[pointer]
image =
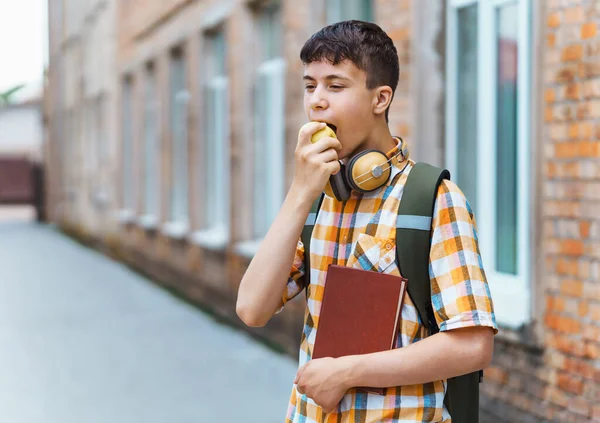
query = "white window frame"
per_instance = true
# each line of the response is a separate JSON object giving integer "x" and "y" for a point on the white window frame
{"x": 127, "y": 212}
{"x": 511, "y": 293}
{"x": 151, "y": 152}
{"x": 215, "y": 230}
{"x": 178, "y": 225}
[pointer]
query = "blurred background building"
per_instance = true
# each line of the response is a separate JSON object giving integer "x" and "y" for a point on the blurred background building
{"x": 170, "y": 129}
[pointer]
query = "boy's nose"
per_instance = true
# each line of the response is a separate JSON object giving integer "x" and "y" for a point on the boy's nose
{"x": 318, "y": 103}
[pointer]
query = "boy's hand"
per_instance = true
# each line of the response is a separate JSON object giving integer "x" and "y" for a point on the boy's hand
{"x": 323, "y": 381}
{"x": 315, "y": 163}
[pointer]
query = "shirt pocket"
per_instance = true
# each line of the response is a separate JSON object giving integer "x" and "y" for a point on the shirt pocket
{"x": 374, "y": 254}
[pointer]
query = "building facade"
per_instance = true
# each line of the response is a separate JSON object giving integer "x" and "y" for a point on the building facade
{"x": 79, "y": 111}
{"x": 173, "y": 126}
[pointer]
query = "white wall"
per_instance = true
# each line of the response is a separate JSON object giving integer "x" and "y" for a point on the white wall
{"x": 21, "y": 131}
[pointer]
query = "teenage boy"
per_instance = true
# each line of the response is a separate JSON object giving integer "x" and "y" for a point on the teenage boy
{"x": 351, "y": 73}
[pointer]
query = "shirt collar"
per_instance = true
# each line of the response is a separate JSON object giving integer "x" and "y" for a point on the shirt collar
{"x": 399, "y": 154}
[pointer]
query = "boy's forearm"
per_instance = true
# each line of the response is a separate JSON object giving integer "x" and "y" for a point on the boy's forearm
{"x": 438, "y": 357}
{"x": 263, "y": 284}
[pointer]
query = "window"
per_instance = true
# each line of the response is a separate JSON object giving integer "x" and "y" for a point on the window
{"x": 97, "y": 148}
{"x": 488, "y": 146}
{"x": 269, "y": 120}
{"x": 215, "y": 154}
{"x": 151, "y": 150}
{"x": 342, "y": 10}
{"x": 127, "y": 140}
{"x": 178, "y": 215}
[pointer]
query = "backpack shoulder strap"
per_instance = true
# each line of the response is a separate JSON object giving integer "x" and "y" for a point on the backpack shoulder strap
{"x": 413, "y": 242}
{"x": 307, "y": 235}
{"x": 413, "y": 235}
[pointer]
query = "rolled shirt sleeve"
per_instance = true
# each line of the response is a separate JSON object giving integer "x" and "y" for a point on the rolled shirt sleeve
{"x": 295, "y": 283}
{"x": 459, "y": 289}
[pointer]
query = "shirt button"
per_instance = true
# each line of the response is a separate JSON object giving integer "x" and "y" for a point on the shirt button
{"x": 388, "y": 246}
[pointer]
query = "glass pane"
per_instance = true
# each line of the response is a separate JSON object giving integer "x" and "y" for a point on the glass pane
{"x": 221, "y": 130}
{"x": 272, "y": 32}
{"x": 151, "y": 167}
{"x": 212, "y": 164}
{"x": 215, "y": 63}
{"x": 261, "y": 168}
{"x": 334, "y": 11}
{"x": 506, "y": 139}
{"x": 127, "y": 144}
{"x": 179, "y": 140}
{"x": 357, "y": 9}
{"x": 466, "y": 104}
{"x": 349, "y": 9}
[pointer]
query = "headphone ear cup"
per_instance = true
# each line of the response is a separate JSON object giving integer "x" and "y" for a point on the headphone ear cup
{"x": 339, "y": 185}
{"x": 362, "y": 166}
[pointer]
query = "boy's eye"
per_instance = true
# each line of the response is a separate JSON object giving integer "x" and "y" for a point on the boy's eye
{"x": 337, "y": 87}
{"x": 309, "y": 87}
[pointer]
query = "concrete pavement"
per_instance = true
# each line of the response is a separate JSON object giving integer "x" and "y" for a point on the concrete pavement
{"x": 84, "y": 339}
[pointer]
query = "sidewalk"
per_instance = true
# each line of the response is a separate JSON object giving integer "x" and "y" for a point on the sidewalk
{"x": 86, "y": 340}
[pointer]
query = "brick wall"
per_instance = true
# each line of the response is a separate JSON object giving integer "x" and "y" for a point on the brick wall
{"x": 558, "y": 378}
{"x": 572, "y": 209}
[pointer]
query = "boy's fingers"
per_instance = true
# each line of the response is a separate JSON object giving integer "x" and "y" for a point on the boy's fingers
{"x": 299, "y": 373}
{"x": 327, "y": 143}
{"x": 308, "y": 130}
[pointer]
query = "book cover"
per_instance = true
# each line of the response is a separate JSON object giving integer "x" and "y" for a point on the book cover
{"x": 360, "y": 313}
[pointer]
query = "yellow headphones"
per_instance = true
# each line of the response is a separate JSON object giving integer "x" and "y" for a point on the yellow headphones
{"x": 365, "y": 172}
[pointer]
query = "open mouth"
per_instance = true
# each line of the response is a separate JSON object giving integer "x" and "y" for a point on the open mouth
{"x": 332, "y": 127}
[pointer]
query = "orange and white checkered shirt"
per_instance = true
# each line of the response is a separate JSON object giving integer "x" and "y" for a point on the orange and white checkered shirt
{"x": 361, "y": 233}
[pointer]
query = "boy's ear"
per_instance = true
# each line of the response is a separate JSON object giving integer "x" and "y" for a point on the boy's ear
{"x": 382, "y": 99}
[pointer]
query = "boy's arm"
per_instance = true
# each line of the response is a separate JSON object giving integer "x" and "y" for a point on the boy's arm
{"x": 261, "y": 289}
{"x": 438, "y": 357}
{"x": 262, "y": 286}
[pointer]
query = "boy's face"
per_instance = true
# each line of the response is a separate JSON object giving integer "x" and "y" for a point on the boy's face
{"x": 338, "y": 95}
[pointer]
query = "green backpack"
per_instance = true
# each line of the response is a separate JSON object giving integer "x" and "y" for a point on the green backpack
{"x": 413, "y": 242}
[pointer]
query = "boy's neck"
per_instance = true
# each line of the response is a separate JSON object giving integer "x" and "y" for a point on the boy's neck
{"x": 379, "y": 139}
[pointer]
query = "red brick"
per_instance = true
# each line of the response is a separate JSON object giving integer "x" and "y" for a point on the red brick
{"x": 565, "y": 150}
{"x": 572, "y": 247}
{"x": 586, "y": 130}
{"x": 567, "y": 345}
{"x": 496, "y": 374}
{"x": 568, "y": 383}
{"x": 589, "y": 30}
{"x": 567, "y": 73}
{"x": 573, "y": 131}
{"x": 580, "y": 368}
{"x": 572, "y": 288}
{"x": 572, "y": 91}
{"x": 550, "y": 95}
{"x": 554, "y": 20}
{"x": 551, "y": 40}
{"x": 572, "y": 53}
{"x": 583, "y": 309}
{"x": 563, "y": 324}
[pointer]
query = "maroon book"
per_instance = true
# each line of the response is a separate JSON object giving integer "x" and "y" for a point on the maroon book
{"x": 360, "y": 313}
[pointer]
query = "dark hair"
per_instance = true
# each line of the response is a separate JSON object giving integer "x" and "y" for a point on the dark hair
{"x": 364, "y": 44}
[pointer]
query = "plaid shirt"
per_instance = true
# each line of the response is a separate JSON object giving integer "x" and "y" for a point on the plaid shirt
{"x": 362, "y": 233}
